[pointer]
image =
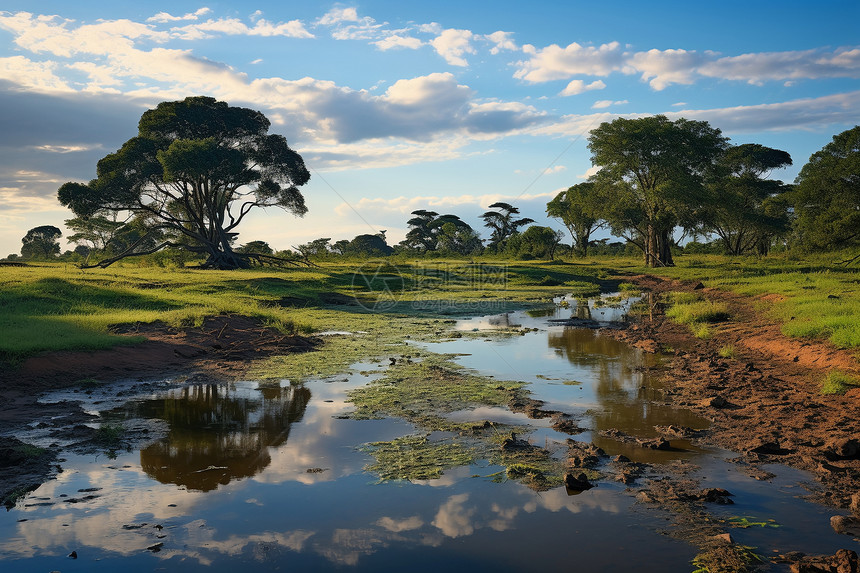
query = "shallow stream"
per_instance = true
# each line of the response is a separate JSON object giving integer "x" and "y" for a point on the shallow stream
{"x": 272, "y": 478}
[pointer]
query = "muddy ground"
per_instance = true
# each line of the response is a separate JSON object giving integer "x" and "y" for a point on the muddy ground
{"x": 222, "y": 348}
{"x": 764, "y": 403}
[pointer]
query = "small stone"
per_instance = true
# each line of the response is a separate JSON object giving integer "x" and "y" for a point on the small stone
{"x": 843, "y": 448}
{"x": 73, "y": 554}
{"x": 715, "y": 402}
{"x": 845, "y": 525}
{"x": 716, "y": 495}
{"x": 724, "y": 538}
{"x": 577, "y": 482}
{"x": 855, "y": 504}
{"x": 846, "y": 561}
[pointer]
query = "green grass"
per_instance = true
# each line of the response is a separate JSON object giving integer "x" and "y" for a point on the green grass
{"x": 812, "y": 296}
{"x": 700, "y": 311}
{"x": 59, "y": 307}
{"x": 728, "y": 351}
{"x": 696, "y": 312}
{"x": 838, "y": 382}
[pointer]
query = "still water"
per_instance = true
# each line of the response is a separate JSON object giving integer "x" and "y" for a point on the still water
{"x": 271, "y": 478}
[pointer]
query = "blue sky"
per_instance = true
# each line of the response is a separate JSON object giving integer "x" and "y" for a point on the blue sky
{"x": 398, "y": 106}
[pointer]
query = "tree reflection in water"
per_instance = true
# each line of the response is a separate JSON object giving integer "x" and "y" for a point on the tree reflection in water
{"x": 218, "y": 432}
{"x": 630, "y": 399}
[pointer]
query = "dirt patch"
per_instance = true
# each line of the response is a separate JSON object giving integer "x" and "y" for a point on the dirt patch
{"x": 765, "y": 401}
{"x": 22, "y": 469}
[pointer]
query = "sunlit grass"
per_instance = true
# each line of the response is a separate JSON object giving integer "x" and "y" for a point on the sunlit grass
{"x": 811, "y": 296}
{"x": 728, "y": 351}
{"x": 60, "y": 307}
{"x": 838, "y": 382}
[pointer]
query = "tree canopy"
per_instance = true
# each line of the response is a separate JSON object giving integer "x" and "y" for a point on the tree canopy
{"x": 745, "y": 209}
{"x": 579, "y": 208}
{"x": 503, "y": 224}
{"x": 425, "y": 229}
{"x": 41, "y": 242}
{"x": 536, "y": 242}
{"x": 195, "y": 170}
{"x": 827, "y": 195}
{"x": 651, "y": 177}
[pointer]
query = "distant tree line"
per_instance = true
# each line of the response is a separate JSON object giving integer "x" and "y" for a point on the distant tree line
{"x": 179, "y": 190}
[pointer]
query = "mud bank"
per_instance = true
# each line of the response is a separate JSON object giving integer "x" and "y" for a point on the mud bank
{"x": 764, "y": 402}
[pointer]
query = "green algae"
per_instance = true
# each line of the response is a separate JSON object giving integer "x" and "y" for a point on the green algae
{"x": 423, "y": 392}
{"x": 415, "y": 458}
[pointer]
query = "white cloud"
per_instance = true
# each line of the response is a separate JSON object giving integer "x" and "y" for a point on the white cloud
{"x": 235, "y": 27}
{"x": 338, "y": 15}
{"x": 38, "y": 76}
{"x": 590, "y": 172}
{"x": 807, "y": 113}
{"x": 556, "y": 63}
{"x": 576, "y": 87}
{"x": 454, "y": 519}
{"x": 347, "y": 25}
{"x": 164, "y": 17}
{"x": 395, "y": 41}
{"x": 501, "y": 41}
{"x": 453, "y": 44}
{"x": 51, "y": 34}
{"x": 398, "y": 525}
{"x": 432, "y": 28}
{"x": 663, "y": 68}
{"x": 604, "y": 103}
{"x": 793, "y": 65}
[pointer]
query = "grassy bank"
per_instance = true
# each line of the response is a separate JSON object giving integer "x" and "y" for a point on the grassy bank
{"x": 814, "y": 297}
{"x": 59, "y": 307}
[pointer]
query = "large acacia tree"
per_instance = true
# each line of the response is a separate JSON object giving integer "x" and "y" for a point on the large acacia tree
{"x": 503, "y": 224}
{"x": 652, "y": 177}
{"x": 195, "y": 170}
{"x": 579, "y": 208}
{"x": 827, "y": 195}
{"x": 41, "y": 242}
{"x": 746, "y": 209}
{"x": 425, "y": 229}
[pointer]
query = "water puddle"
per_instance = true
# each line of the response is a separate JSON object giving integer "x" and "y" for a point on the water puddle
{"x": 272, "y": 477}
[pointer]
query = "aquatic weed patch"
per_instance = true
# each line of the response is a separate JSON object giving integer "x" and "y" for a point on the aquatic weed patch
{"x": 423, "y": 392}
{"x": 415, "y": 458}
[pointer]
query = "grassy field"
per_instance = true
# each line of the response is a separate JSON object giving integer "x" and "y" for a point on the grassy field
{"x": 56, "y": 307}
{"x": 814, "y": 297}
{"x": 60, "y": 307}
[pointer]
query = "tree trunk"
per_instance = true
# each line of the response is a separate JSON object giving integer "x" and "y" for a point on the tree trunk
{"x": 651, "y": 246}
{"x": 664, "y": 248}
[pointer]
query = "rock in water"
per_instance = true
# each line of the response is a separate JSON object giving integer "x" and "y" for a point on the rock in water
{"x": 577, "y": 482}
